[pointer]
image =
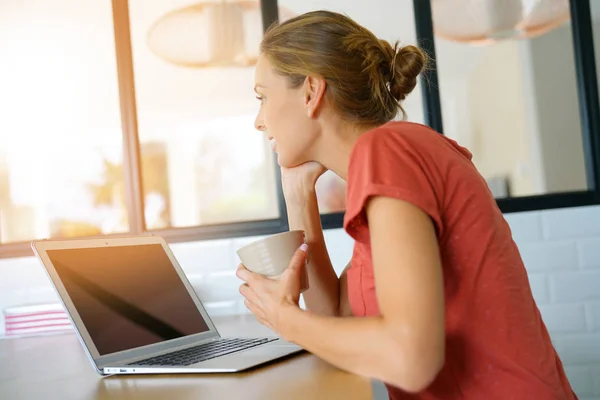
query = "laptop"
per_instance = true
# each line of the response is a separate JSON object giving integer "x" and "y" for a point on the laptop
{"x": 135, "y": 312}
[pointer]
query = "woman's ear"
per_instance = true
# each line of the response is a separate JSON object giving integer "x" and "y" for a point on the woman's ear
{"x": 314, "y": 92}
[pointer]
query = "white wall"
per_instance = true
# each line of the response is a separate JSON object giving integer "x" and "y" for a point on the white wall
{"x": 561, "y": 249}
{"x": 514, "y": 105}
{"x": 499, "y": 128}
{"x": 552, "y": 89}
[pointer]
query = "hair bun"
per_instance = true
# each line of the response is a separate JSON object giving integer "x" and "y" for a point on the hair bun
{"x": 406, "y": 65}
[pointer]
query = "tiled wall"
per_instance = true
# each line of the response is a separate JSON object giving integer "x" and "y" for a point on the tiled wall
{"x": 561, "y": 249}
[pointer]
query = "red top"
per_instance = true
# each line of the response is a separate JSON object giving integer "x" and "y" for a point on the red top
{"x": 497, "y": 346}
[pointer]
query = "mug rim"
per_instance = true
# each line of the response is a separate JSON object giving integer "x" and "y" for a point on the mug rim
{"x": 270, "y": 237}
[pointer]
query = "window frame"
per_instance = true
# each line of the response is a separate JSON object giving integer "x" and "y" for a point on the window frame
{"x": 589, "y": 111}
{"x": 132, "y": 155}
{"x": 134, "y": 192}
{"x": 585, "y": 67}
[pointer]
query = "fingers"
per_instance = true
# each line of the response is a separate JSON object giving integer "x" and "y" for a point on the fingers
{"x": 251, "y": 301}
{"x": 244, "y": 274}
{"x": 300, "y": 256}
{"x": 253, "y": 309}
{"x": 257, "y": 312}
{"x": 249, "y": 305}
{"x": 249, "y": 294}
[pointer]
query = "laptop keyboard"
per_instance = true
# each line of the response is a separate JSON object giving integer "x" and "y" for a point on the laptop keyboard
{"x": 203, "y": 352}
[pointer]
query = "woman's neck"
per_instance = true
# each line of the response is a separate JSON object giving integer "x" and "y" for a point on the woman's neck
{"x": 337, "y": 141}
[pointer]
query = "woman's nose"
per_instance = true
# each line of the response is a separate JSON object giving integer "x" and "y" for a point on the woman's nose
{"x": 259, "y": 123}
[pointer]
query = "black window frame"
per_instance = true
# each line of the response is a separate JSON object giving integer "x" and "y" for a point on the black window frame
{"x": 589, "y": 112}
{"x": 585, "y": 67}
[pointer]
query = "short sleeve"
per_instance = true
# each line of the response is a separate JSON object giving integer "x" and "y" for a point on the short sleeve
{"x": 386, "y": 162}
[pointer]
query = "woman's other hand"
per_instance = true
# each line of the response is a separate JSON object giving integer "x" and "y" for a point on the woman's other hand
{"x": 300, "y": 178}
{"x": 268, "y": 298}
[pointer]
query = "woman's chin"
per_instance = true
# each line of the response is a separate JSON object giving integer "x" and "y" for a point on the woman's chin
{"x": 290, "y": 162}
{"x": 284, "y": 162}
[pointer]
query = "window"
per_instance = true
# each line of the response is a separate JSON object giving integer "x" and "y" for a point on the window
{"x": 203, "y": 163}
{"x": 512, "y": 102}
{"x": 60, "y": 133}
{"x": 543, "y": 168}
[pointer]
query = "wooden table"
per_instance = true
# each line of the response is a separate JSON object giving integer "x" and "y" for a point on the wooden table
{"x": 55, "y": 367}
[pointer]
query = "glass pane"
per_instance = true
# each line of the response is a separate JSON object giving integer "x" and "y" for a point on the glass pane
{"x": 595, "y": 10}
{"x": 387, "y": 20}
{"x": 202, "y": 160}
{"x": 509, "y": 94}
{"x": 60, "y": 131}
{"x": 331, "y": 193}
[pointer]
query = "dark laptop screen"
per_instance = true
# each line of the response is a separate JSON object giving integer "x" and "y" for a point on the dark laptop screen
{"x": 127, "y": 296}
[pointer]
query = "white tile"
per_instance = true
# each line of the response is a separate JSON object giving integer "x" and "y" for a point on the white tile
{"x": 221, "y": 308}
{"x": 539, "y": 288}
{"x": 379, "y": 390}
{"x": 202, "y": 257}
{"x": 580, "y": 378}
{"x": 526, "y": 227}
{"x": 571, "y": 222}
{"x": 564, "y": 317}
{"x": 595, "y": 375}
{"x": 10, "y": 298}
{"x": 549, "y": 256}
{"x": 18, "y": 262}
{"x": 593, "y": 317}
{"x": 578, "y": 349}
{"x": 339, "y": 246}
{"x": 42, "y": 295}
{"x": 575, "y": 286}
{"x": 301, "y": 302}
{"x": 22, "y": 273}
{"x": 217, "y": 287}
{"x": 589, "y": 251}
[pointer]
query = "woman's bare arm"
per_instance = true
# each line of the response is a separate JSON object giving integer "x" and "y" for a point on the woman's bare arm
{"x": 327, "y": 295}
{"x": 405, "y": 344}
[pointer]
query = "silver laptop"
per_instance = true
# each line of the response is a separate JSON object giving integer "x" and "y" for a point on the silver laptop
{"x": 135, "y": 312}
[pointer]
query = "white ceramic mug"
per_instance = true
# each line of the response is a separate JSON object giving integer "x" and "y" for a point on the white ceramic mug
{"x": 271, "y": 256}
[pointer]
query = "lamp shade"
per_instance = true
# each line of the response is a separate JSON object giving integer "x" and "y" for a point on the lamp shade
{"x": 487, "y": 21}
{"x": 210, "y": 34}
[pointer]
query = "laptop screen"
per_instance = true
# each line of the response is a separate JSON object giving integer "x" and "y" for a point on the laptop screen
{"x": 127, "y": 296}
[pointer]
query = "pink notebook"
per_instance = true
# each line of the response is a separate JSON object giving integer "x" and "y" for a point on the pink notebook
{"x": 36, "y": 320}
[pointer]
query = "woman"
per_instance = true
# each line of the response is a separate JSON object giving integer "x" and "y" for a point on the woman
{"x": 443, "y": 295}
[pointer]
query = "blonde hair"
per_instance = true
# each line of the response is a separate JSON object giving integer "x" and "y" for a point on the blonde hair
{"x": 367, "y": 78}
